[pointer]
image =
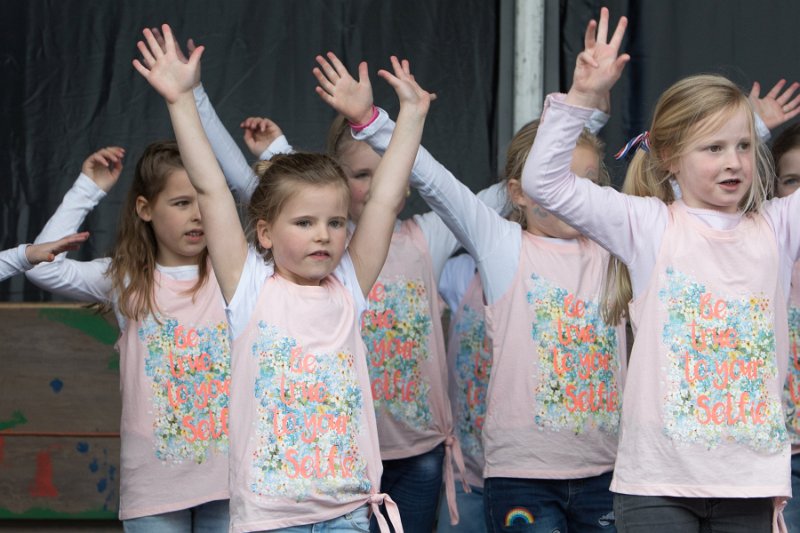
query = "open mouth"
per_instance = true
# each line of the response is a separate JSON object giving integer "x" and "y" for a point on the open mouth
{"x": 195, "y": 235}
{"x": 731, "y": 183}
{"x": 320, "y": 255}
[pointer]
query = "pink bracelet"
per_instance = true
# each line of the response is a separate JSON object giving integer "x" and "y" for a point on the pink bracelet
{"x": 359, "y": 127}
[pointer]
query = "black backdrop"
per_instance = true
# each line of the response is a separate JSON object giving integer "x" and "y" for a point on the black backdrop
{"x": 68, "y": 88}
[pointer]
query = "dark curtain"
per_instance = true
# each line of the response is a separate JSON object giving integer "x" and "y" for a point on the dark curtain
{"x": 68, "y": 87}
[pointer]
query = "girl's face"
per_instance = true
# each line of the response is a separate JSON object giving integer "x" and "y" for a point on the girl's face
{"x": 175, "y": 218}
{"x": 788, "y": 173}
{"x": 359, "y": 162}
{"x": 585, "y": 163}
{"x": 308, "y": 237}
{"x": 716, "y": 171}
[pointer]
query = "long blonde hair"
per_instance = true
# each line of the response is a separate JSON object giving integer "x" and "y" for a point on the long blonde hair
{"x": 279, "y": 180}
{"x": 692, "y": 107}
{"x": 520, "y": 147}
{"x": 133, "y": 258}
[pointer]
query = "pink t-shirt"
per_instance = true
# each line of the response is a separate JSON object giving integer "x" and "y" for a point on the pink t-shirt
{"x": 556, "y": 381}
{"x": 469, "y": 356}
{"x": 304, "y": 441}
{"x": 791, "y": 391}
{"x": 174, "y": 375}
{"x": 702, "y": 413}
{"x": 403, "y": 333}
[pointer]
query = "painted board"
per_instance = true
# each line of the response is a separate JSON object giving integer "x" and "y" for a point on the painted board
{"x": 59, "y": 412}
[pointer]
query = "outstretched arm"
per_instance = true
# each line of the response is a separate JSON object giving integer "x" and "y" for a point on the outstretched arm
{"x": 26, "y": 256}
{"x": 174, "y": 80}
{"x": 238, "y": 173}
{"x": 370, "y": 242}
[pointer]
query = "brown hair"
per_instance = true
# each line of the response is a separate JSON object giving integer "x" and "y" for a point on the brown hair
{"x": 278, "y": 181}
{"x": 786, "y": 141}
{"x": 520, "y": 147}
{"x": 338, "y": 137}
{"x": 133, "y": 258}
{"x": 691, "y": 107}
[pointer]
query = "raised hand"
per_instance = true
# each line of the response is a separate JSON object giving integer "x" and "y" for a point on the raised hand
{"x": 600, "y": 64}
{"x": 338, "y": 89}
{"x": 163, "y": 69}
{"x": 47, "y": 251}
{"x": 259, "y": 133}
{"x": 190, "y": 46}
{"x": 405, "y": 85}
{"x": 104, "y": 166}
{"x": 776, "y": 107}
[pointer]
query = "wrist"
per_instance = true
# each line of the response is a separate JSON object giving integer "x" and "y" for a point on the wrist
{"x": 588, "y": 100}
{"x": 365, "y": 120}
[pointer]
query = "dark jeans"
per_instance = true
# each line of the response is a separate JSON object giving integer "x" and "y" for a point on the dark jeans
{"x": 663, "y": 514}
{"x": 549, "y": 505}
{"x": 414, "y": 483}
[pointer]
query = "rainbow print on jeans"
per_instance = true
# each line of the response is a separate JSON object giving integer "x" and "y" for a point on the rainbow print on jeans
{"x": 308, "y": 421}
{"x": 720, "y": 357}
{"x": 577, "y": 361}
{"x": 190, "y": 373}
{"x": 518, "y": 516}
{"x": 395, "y": 330}
{"x": 473, "y": 366}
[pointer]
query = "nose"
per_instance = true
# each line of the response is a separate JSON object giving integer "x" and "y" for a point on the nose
{"x": 734, "y": 160}
{"x": 322, "y": 234}
{"x": 196, "y": 217}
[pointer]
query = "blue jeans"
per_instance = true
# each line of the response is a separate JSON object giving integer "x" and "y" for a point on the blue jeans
{"x": 470, "y": 512}
{"x": 210, "y": 517}
{"x": 792, "y": 512}
{"x": 356, "y": 520}
{"x": 665, "y": 514}
{"x": 549, "y": 505}
{"x": 414, "y": 484}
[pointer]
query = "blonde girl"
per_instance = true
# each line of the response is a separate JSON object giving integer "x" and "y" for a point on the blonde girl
{"x": 703, "y": 442}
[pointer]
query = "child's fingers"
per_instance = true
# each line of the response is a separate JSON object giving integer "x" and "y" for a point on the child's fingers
{"x": 190, "y": 45}
{"x": 602, "y": 26}
{"x": 341, "y": 70}
{"x": 793, "y": 104}
{"x": 755, "y": 91}
{"x": 169, "y": 39}
{"x": 589, "y": 41}
{"x": 327, "y": 98}
{"x": 773, "y": 93}
{"x": 327, "y": 69}
{"x": 363, "y": 72}
{"x": 154, "y": 49}
{"x": 144, "y": 71}
{"x": 149, "y": 60}
{"x": 586, "y": 58}
{"x": 619, "y": 33}
{"x": 324, "y": 82}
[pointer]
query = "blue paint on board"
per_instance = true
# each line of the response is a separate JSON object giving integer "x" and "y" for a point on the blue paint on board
{"x": 101, "y": 485}
{"x": 93, "y": 466}
{"x": 82, "y": 447}
{"x": 56, "y": 385}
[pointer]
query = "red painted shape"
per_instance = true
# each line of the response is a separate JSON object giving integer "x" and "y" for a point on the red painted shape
{"x": 42, "y": 486}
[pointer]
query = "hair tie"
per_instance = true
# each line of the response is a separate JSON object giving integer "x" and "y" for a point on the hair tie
{"x": 640, "y": 141}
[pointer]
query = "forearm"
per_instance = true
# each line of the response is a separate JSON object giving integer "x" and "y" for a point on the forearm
{"x": 78, "y": 202}
{"x": 13, "y": 261}
{"x": 238, "y": 173}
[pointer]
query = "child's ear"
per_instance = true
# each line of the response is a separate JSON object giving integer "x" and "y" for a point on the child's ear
{"x": 516, "y": 194}
{"x": 143, "y": 209}
{"x": 263, "y": 235}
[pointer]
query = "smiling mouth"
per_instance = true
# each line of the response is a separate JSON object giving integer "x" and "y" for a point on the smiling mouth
{"x": 732, "y": 181}
{"x": 195, "y": 234}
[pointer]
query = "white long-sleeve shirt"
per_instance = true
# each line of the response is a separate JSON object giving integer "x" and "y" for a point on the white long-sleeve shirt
{"x": 13, "y": 261}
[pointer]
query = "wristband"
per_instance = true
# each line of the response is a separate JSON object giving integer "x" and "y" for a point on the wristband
{"x": 359, "y": 127}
